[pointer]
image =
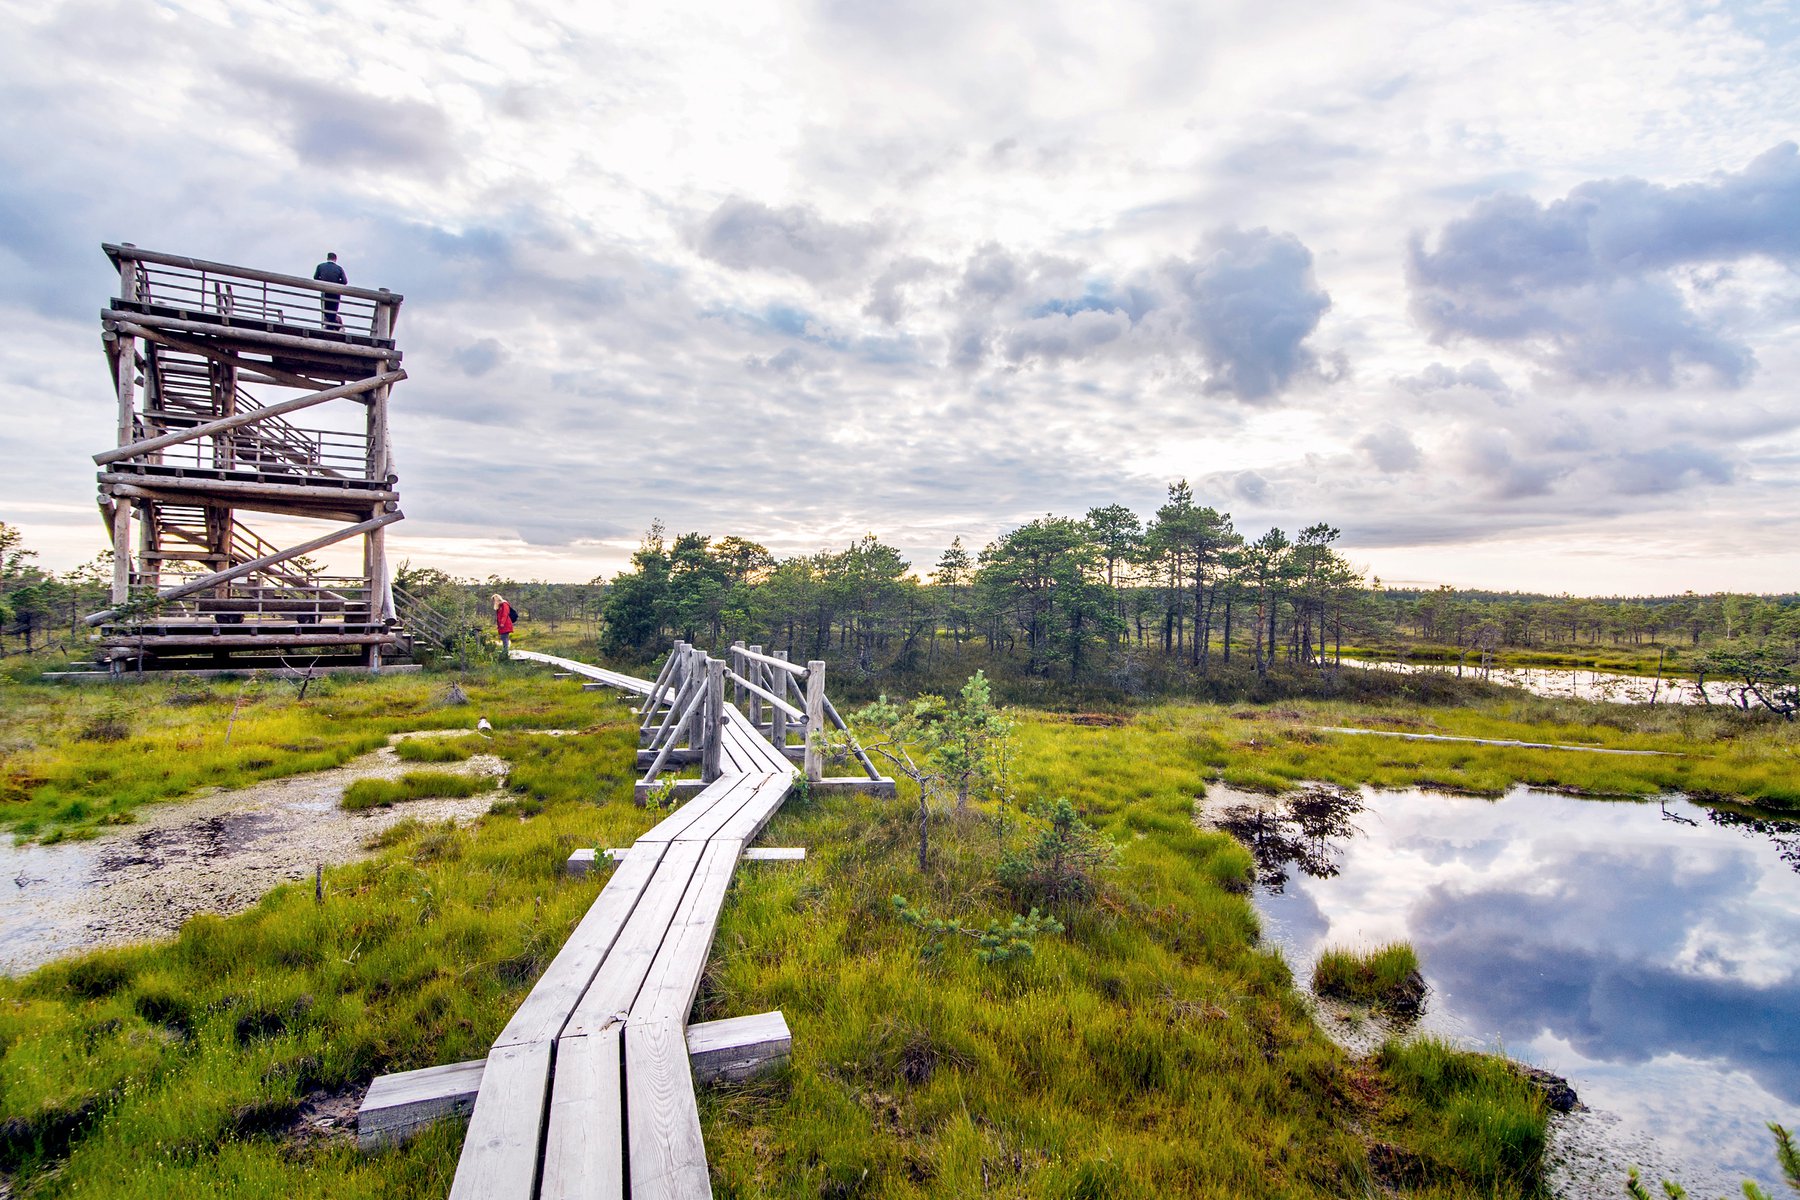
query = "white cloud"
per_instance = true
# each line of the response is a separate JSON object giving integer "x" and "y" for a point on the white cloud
{"x": 968, "y": 264}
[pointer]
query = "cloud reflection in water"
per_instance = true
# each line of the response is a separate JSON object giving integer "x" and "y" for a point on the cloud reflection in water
{"x": 1653, "y": 961}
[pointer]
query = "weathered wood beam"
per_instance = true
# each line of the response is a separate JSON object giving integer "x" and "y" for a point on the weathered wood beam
{"x": 272, "y": 373}
{"x": 782, "y": 663}
{"x": 245, "y": 641}
{"x": 250, "y": 417}
{"x": 322, "y": 347}
{"x": 771, "y": 697}
{"x": 242, "y": 487}
{"x": 815, "y": 720}
{"x": 325, "y": 511}
{"x": 256, "y": 564}
{"x": 400, "y": 1105}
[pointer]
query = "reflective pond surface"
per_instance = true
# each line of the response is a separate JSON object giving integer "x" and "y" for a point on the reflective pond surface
{"x": 1572, "y": 683}
{"x": 1648, "y": 952}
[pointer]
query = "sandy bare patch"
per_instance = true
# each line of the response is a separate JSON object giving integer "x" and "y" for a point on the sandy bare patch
{"x": 217, "y": 853}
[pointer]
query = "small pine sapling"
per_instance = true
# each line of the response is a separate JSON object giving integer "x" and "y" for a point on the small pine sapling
{"x": 997, "y": 942}
{"x": 1065, "y": 864}
{"x": 962, "y": 745}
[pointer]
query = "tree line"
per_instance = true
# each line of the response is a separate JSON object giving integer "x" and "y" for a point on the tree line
{"x": 1059, "y": 595}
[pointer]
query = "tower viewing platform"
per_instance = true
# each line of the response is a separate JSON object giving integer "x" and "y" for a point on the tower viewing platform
{"x": 210, "y": 362}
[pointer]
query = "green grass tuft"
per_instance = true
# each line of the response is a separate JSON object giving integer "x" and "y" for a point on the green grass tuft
{"x": 441, "y": 749}
{"x": 414, "y": 785}
{"x": 1488, "y": 1121}
{"x": 1387, "y": 978}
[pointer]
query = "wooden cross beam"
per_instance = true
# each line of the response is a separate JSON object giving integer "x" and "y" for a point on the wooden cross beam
{"x": 249, "y": 417}
{"x": 256, "y": 564}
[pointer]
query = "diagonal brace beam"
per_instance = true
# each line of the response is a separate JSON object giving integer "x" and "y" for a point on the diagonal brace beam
{"x": 257, "y": 564}
{"x": 249, "y": 417}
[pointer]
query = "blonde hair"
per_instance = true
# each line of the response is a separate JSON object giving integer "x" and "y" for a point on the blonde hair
{"x": 499, "y": 599}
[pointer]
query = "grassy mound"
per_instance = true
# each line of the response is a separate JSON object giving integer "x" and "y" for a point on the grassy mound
{"x": 1386, "y": 978}
{"x": 414, "y": 785}
{"x": 441, "y": 749}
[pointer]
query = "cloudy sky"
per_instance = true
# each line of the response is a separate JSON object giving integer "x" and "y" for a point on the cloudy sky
{"x": 1505, "y": 291}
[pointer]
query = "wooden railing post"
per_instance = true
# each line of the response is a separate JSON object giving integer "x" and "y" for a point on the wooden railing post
{"x": 777, "y": 718}
{"x": 696, "y": 667}
{"x": 737, "y": 664}
{"x": 815, "y": 720}
{"x": 714, "y": 725}
{"x": 754, "y": 670}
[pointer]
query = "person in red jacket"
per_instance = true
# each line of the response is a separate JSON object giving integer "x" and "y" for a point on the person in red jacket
{"x": 503, "y": 622}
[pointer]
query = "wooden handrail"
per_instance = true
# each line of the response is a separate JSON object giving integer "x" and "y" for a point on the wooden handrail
{"x": 793, "y": 668}
{"x": 132, "y": 253}
{"x": 771, "y": 697}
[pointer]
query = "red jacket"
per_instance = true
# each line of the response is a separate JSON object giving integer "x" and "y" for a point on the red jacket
{"x": 503, "y": 617}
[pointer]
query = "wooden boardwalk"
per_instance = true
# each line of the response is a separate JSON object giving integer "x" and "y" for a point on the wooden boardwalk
{"x": 589, "y": 1091}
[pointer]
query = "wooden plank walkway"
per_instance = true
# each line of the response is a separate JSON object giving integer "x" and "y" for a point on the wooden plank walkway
{"x": 588, "y": 1091}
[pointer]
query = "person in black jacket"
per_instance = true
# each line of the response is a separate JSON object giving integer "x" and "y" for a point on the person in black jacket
{"x": 329, "y": 272}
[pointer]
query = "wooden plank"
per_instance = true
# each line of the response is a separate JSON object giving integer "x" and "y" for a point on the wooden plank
{"x": 674, "y": 979}
{"x": 158, "y": 486}
{"x": 677, "y": 822}
{"x": 708, "y": 824}
{"x": 616, "y": 986}
{"x": 397, "y": 1106}
{"x": 400, "y": 1105}
{"x": 781, "y": 663}
{"x": 752, "y": 854}
{"x": 321, "y": 347}
{"x": 761, "y": 756}
{"x": 668, "y": 1156}
{"x": 628, "y": 683}
{"x": 500, "y": 1152}
{"x": 737, "y": 1048}
{"x": 753, "y": 816}
{"x": 584, "y": 1148}
{"x": 545, "y": 1010}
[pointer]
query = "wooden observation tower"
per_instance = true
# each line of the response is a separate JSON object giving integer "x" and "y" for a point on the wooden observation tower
{"x": 211, "y": 362}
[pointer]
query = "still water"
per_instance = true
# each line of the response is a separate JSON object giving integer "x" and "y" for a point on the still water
{"x": 1573, "y": 683}
{"x": 1649, "y": 952}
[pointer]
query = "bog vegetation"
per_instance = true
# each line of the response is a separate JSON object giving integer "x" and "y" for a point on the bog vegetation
{"x": 1093, "y": 996}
